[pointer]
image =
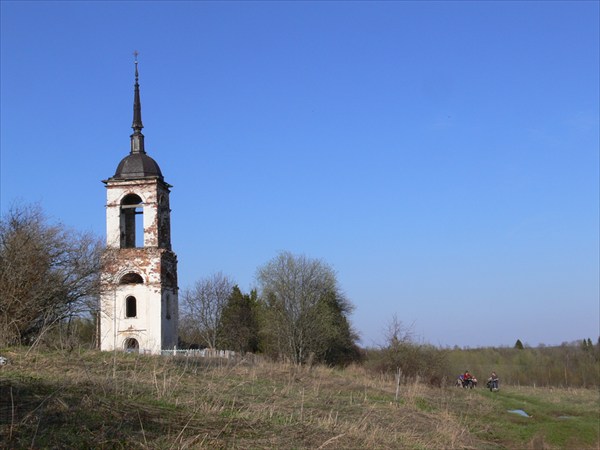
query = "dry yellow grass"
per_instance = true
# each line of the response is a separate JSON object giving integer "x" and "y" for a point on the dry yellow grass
{"x": 92, "y": 399}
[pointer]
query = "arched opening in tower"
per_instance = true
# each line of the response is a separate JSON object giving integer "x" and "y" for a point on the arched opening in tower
{"x": 131, "y": 278}
{"x": 132, "y": 221}
{"x": 132, "y": 345}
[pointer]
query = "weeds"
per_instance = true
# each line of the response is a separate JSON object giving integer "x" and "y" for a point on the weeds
{"x": 83, "y": 400}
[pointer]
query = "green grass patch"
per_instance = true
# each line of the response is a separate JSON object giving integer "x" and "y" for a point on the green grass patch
{"x": 548, "y": 423}
{"x": 423, "y": 405}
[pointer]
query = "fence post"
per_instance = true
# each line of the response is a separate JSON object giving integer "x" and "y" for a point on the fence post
{"x": 398, "y": 376}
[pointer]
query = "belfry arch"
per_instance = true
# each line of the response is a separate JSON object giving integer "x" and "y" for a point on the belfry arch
{"x": 132, "y": 221}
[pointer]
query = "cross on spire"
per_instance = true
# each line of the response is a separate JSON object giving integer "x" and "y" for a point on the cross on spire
{"x": 135, "y": 61}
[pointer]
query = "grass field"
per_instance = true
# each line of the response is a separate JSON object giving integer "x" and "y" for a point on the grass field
{"x": 90, "y": 399}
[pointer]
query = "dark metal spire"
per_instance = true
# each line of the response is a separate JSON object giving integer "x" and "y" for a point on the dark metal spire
{"x": 137, "y": 138}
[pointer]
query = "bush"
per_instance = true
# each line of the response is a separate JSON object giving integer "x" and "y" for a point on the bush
{"x": 423, "y": 361}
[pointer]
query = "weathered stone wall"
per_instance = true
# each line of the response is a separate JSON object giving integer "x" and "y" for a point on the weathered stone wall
{"x": 155, "y": 198}
{"x": 155, "y": 323}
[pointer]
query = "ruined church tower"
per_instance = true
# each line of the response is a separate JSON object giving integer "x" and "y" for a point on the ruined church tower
{"x": 139, "y": 302}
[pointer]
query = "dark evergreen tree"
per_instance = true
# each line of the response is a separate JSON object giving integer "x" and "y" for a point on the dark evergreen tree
{"x": 584, "y": 345}
{"x": 340, "y": 342}
{"x": 519, "y": 344}
{"x": 239, "y": 322}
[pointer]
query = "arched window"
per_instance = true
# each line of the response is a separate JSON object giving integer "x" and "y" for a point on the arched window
{"x": 131, "y": 345}
{"x": 168, "y": 307}
{"x": 130, "y": 307}
{"x": 132, "y": 221}
{"x": 131, "y": 278}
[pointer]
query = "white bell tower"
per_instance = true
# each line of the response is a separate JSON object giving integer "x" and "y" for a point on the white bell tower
{"x": 139, "y": 298}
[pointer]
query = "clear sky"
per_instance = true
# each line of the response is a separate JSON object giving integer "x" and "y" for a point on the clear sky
{"x": 442, "y": 157}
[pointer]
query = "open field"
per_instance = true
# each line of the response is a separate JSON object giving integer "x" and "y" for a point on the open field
{"x": 89, "y": 399}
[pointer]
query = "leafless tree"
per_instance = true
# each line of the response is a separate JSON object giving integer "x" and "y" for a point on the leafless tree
{"x": 202, "y": 307}
{"x": 47, "y": 273}
{"x": 304, "y": 306}
{"x": 400, "y": 351}
{"x": 397, "y": 333}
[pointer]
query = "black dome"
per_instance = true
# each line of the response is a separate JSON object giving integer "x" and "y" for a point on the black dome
{"x": 137, "y": 165}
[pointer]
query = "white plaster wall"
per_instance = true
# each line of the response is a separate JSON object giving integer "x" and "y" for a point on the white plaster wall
{"x": 106, "y": 321}
{"x": 150, "y": 223}
{"x": 143, "y": 327}
{"x": 150, "y": 327}
{"x": 113, "y": 224}
{"x": 169, "y": 326}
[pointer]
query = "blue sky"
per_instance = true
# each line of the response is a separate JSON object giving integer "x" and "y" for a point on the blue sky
{"x": 442, "y": 157}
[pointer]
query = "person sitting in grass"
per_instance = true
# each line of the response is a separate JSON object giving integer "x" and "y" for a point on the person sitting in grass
{"x": 468, "y": 380}
{"x": 493, "y": 382}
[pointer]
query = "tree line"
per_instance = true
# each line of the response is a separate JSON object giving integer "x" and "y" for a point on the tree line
{"x": 298, "y": 312}
{"x": 49, "y": 286}
{"x": 569, "y": 364}
{"x": 49, "y": 283}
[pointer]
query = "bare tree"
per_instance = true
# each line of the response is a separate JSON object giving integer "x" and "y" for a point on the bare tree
{"x": 47, "y": 273}
{"x": 396, "y": 333}
{"x": 305, "y": 309}
{"x": 400, "y": 351}
{"x": 202, "y": 308}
